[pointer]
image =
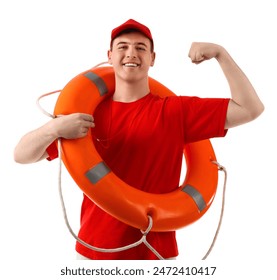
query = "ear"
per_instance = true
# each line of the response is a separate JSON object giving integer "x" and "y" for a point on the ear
{"x": 110, "y": 57}
{"x": 153, "y": 58}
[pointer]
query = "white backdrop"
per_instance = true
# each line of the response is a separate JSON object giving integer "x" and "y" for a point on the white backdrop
{"x": 46, "y": 43}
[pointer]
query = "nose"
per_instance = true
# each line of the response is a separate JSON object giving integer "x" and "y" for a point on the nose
{"x": 131, "y": 56}
{"x": 131, "y": 53}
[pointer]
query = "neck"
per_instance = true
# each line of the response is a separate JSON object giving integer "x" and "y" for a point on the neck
{"x": 129, "y": 92}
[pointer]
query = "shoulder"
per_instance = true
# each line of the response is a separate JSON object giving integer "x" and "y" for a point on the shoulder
{"x": 175, "y": 101}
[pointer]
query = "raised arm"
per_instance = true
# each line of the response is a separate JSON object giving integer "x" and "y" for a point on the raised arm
{"x": 245, "y": 104}
{"x": 32, "y": 146}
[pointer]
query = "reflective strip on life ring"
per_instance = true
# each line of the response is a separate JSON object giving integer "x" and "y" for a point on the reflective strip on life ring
{"x": 169, "y": 211}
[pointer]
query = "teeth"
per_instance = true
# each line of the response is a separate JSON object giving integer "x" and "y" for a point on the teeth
{"x": 130, "y": 64}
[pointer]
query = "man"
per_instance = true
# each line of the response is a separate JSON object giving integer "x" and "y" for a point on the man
{"x": 141, "y": 136}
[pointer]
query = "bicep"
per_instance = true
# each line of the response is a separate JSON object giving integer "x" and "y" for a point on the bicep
{"x": 236, "y": 115}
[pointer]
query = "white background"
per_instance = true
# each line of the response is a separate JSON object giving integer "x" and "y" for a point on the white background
{"x": 46, "y": 43}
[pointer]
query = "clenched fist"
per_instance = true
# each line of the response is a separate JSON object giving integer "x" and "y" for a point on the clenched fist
{"x": 200, "y": 52}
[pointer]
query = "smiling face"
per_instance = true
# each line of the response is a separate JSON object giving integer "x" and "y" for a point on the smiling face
{"x": 131, "y": 56}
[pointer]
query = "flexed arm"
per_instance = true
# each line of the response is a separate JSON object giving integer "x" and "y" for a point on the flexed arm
{"x": 245, "y": 104}
{"x": 32, "y": 146}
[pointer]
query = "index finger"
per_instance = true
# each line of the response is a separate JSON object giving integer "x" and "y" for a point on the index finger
{"x": 87, "y": 117}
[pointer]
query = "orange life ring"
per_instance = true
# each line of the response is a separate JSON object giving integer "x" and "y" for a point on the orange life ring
{"x": 169, "y": 211}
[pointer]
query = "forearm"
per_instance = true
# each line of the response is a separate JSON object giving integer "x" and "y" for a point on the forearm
{"x": 32, "y": 146}
{"x": 245, "y": 104}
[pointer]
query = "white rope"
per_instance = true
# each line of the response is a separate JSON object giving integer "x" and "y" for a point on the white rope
{"x": 144, "y": 233}
{"x": 40, "y": 107}
{"x": 220, "y": 168}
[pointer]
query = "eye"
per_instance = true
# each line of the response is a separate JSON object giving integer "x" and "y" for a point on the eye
{"x": 141, "y": 49}
{"x": 122, "y": 47}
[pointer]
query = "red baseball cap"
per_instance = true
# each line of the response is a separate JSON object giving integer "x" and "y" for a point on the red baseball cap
{"x": 132, "y": 24}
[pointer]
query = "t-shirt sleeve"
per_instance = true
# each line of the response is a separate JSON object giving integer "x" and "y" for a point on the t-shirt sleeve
{"x": 52, "y": 151}
{"x": 203, "y": 118}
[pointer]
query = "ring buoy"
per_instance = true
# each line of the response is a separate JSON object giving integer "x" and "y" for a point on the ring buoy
{"x": 169, "y": 211}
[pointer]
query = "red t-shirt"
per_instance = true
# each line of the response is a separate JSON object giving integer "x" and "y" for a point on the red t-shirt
{"x": 142, "y": 142}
